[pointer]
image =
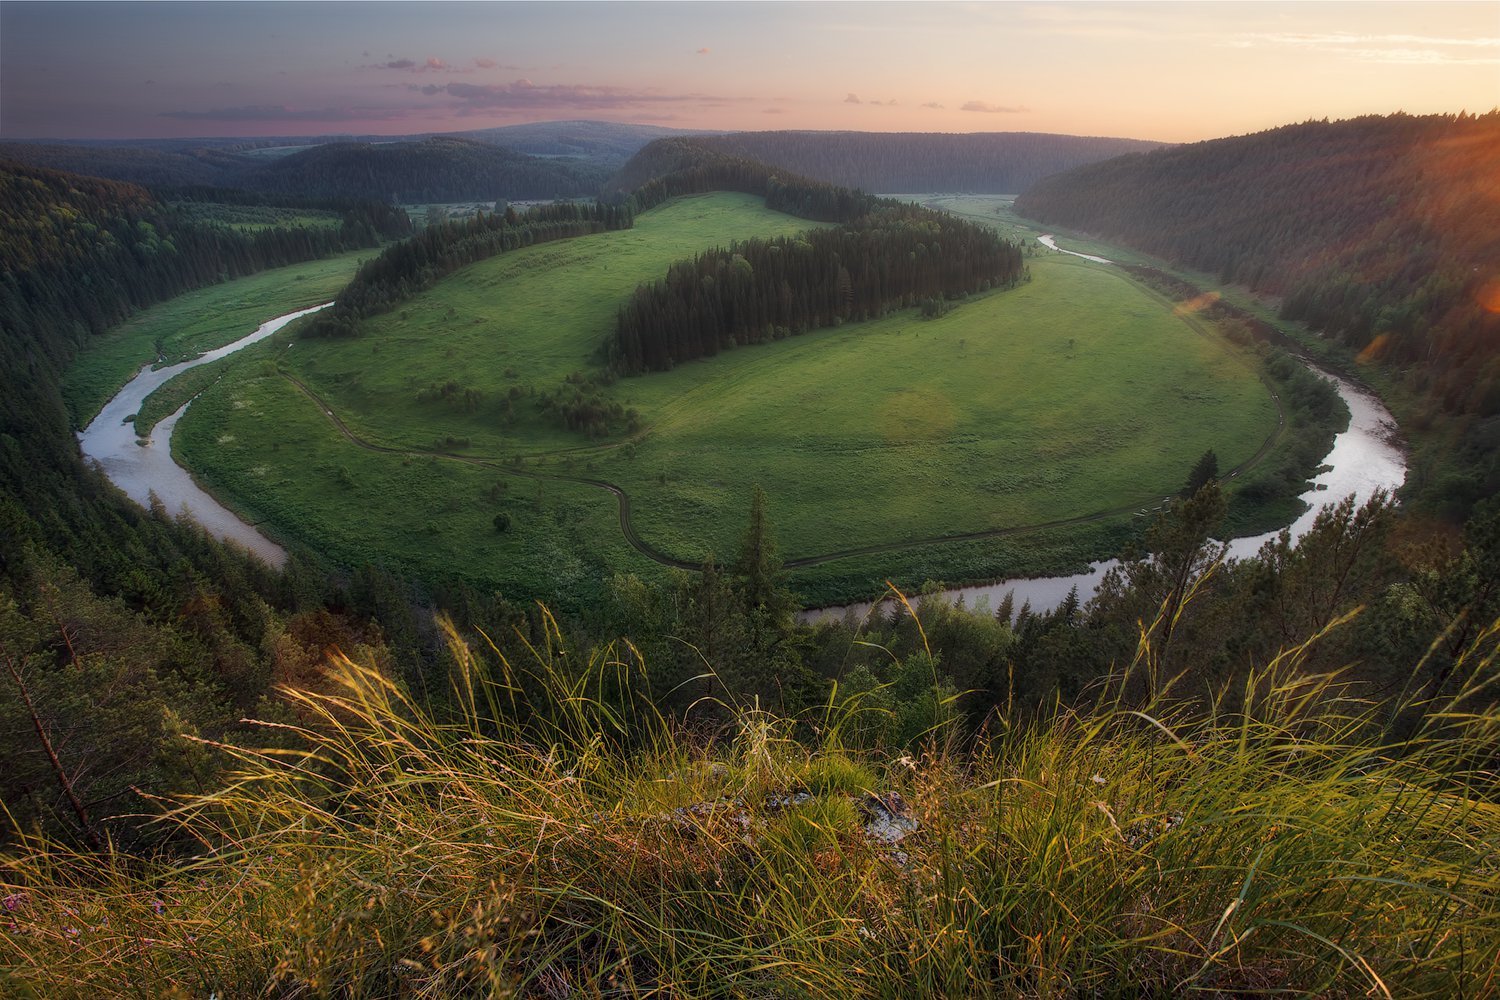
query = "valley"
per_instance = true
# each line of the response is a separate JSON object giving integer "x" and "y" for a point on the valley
{"x": 932, "y": 500}
{"x": 887, "y": 448}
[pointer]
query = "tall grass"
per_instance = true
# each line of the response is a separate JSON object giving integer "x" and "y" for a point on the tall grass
{"x": 554, "y": 837}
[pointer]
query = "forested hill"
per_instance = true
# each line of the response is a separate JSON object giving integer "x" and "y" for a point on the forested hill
{"x": 897, "y": 162}
{"x": 432, "y": 169}
{"x": 1382, "y": 232}
{"x": 440, "y": 169}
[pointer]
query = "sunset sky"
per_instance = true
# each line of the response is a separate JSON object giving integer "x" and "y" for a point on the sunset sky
{"x": 1153, "y": 71}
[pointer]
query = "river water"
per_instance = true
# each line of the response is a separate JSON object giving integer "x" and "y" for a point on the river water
{"x": 143, "y": 467}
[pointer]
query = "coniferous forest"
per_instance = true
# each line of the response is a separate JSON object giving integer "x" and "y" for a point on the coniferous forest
{"x": 893, "y": 257}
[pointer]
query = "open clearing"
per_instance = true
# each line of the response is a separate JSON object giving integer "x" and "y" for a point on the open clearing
{"x": 1074, "y": 394}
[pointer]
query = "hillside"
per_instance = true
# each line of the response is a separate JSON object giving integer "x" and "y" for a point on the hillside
{"x": 583, "y": 150}
{"x": 607, "y": 144}
{"x": 1380, "y": 232}
{"x": 438, "y": 169}
{"x": 896, "y": 162}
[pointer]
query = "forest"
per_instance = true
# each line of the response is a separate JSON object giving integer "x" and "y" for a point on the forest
{"x": 891, "y": 258}
{"x": 1289, "y": 758}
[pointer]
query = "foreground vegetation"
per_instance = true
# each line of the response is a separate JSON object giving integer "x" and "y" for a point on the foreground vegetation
{"x": 552, "y": 834}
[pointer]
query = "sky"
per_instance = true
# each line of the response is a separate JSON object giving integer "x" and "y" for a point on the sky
{"x": 1166, "y": 71}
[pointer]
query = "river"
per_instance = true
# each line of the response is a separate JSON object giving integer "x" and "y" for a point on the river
{"x": 1050, "y": 242}
{"x": 1363, "y": 459}
{"x": 143, "y": 467}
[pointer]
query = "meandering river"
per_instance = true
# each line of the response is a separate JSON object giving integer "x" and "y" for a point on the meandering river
{"x": 141, "y": 467}
{"x": 1363, "y": 460}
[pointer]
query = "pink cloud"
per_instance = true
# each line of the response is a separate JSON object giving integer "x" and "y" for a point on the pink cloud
{"x": 991, "y": 109}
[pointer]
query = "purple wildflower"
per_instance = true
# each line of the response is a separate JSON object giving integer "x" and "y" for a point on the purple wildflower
{"x": 14, "y": 901}
{"x": 158, "y": 907}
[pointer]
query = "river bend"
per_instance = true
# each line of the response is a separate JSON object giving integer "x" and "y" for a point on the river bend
{"x": 142, "y": 467}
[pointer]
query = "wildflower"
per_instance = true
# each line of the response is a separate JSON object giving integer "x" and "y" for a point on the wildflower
{"x": 70, "y": 931}
{"x": 158, "y": 907}
{"x": 14, "y": 901}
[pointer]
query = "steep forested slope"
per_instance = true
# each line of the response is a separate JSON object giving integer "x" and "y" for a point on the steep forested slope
{"x": 119, "y": 629}
{"x": 136, "y": 165}
{"x": 1382, "y": 232}
{"x": 892, "y": 162}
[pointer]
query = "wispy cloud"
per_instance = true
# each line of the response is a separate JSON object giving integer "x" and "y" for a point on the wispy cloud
{"x": 932, "y": 104}
{"x": 1399, "y": 49}
{"x": 992, "y": 109}
{"x": 282, "y": 113}
{"x": 853, "y": 99}
{"x": 432, "y": 64}
{"x": 703, "y": 51}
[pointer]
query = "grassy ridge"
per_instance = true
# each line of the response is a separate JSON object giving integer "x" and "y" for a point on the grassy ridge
{"x": 1291, "y": 844}
{"x": 1073, "y": 394}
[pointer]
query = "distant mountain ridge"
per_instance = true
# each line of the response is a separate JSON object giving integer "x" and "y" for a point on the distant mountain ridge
{"x": 897, "y": 162}
{"x": 592, "y": 150}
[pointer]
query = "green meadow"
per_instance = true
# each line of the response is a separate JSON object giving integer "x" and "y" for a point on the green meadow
{"x": 1077, "y": 396}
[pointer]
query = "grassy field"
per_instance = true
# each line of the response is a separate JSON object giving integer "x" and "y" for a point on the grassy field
{"x": 1074, "y": 395}
{"x": 199, "y": 321}
{"x": 255, "y": 218}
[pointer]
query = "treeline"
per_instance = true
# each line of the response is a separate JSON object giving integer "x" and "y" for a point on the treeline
{"x": 547, "y": 160}
{"x": 417, "y": 170}
{"x": 893, "y": 257}
{"x": 1381, "y": 232}
{"x": 675, "y": 167}
{"x": 893, "y": 162}
{"x": 406, "y": 268}
{"x": 437, "y": 169}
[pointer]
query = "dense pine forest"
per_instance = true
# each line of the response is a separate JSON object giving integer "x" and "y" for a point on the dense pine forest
{"x": 1267, "y": 774}
{"x": 892, "y": 257}
{"x": 1381, "y": 233}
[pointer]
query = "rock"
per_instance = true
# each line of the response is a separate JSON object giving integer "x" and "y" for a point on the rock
{"x": 888, "y": 818}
